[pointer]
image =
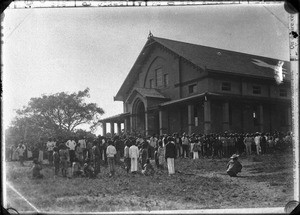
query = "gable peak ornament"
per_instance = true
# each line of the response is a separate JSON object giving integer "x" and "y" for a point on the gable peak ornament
{"x": 150, "y": 35}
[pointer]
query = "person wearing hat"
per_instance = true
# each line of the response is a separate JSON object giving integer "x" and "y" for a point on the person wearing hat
{"x": 170, "y": 155}
{"x": 234, "y": 166}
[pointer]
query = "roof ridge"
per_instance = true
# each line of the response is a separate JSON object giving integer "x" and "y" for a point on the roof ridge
{"x": 210, "y": 47}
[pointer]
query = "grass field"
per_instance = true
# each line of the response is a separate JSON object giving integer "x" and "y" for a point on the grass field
{"x": 265, "y": 181}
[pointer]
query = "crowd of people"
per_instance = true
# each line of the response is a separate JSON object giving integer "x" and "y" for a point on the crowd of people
{"x": 73, "y": 157}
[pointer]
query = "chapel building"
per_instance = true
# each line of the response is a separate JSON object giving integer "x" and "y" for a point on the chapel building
{"x": 175, "y": 86}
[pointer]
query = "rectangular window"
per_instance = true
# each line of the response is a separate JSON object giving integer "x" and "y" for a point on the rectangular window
{"x": 166, "y": 80}
{"x": 256, "y": 90}
{"x": 192, "y": 88}
{"x": 151, "y": 83}
{"x": 226, "y": 86}
{"x": 159, "y": 77}
{"x": 283, "y": 92}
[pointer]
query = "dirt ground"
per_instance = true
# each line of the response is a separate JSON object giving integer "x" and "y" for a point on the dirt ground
{"x": 265, "y": 181}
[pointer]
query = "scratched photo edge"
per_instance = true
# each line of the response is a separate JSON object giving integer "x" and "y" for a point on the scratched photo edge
{"x": 295, "y": 130}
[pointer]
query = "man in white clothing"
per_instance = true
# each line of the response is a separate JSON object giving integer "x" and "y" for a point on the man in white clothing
{"x": 257, "y": 142}
{"x": 134, "y": 154}
{"x": 71, "y": 144}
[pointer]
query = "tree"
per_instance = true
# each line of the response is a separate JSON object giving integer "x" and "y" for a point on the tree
{"x": 57, "y": 114}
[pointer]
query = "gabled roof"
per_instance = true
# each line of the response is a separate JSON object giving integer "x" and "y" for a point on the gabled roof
{"x": 209, "y": 58}
{"x": 146, "y": 93}
{"x": 220, "y": 59}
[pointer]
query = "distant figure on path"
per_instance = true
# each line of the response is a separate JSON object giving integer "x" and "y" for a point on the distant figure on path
{"x": 234, "y": 166}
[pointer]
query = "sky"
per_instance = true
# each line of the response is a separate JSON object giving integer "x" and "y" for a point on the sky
{"x": 51, "y": 50}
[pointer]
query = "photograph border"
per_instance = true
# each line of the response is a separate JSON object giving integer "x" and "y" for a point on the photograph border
{"x": 294, "y": 61}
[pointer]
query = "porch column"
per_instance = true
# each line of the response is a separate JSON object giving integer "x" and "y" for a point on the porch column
{"x": 119, "y": 128}
{"x": 126, "y": 125}
{"x": 162, "y": 121}
{"x": 225, "y": 116}
{"x": 261, "y": 118}
{"x": 131, "y": 123}
{"x": 112, "y": 128}
{"x": 104, "y": 128}
{"x": 146, "y": 124}
{"x": 191, "y": 119}
{"x": 207, "y": 117}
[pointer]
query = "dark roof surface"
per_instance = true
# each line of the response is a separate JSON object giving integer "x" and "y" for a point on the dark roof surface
{"x": 222, "y": 60}
{"x": 213, "y": 59}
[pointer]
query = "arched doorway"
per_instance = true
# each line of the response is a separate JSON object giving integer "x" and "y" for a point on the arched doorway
{"x": 139, "y": 112}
